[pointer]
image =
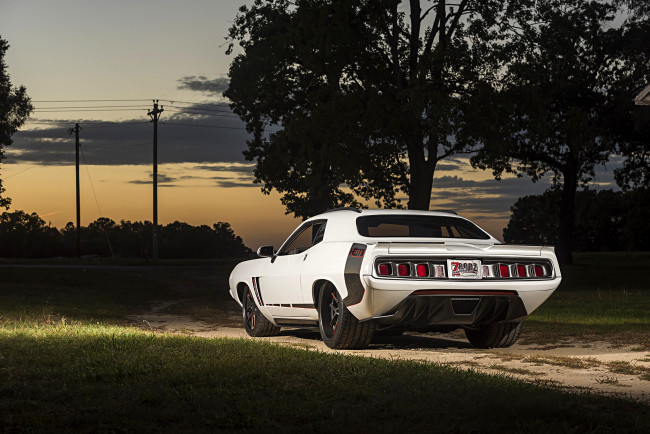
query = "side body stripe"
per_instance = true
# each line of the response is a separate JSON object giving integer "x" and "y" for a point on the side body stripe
{"x": 258, "y": 292}
{"x": 352, "y": 274}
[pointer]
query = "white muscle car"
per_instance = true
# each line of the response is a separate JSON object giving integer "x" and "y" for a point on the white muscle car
{"x": 351, "y": 272}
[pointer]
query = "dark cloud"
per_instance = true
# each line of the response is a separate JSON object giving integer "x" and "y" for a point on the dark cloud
{"x": 220, "y": 181}
{"x": 447, "y": 167}
{"x": 231, "y": 184}
{"x": 490, "y": 197}
{"x": 162, "y": 179}
{"x": 183, "y": 137}
{"x": 243, "y": 168}
{"x": 201, "y": 83}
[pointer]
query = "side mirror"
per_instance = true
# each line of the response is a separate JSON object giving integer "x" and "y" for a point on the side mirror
{"x": 265, "y": 252}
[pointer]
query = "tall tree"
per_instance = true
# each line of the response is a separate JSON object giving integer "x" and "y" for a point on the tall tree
{"x": 15, "y": 108}
{"x": 559, "y": 93}
{"x": 364, "y": 94}
{"x": 633, "y": 122}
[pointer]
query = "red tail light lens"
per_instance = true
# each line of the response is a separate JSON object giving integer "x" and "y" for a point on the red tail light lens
{"x": 539, "y": 270}
{"x": 422, "y": 270}
{"x": 505, "y": 272}
{"x": 384, "y": 270}
{"x": 403, "y": 270}
{"x": 521, "y": 270}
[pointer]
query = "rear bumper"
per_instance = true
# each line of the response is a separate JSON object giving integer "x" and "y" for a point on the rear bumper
{"x": 422, "y": 311}
{"x": 383, "y": 298}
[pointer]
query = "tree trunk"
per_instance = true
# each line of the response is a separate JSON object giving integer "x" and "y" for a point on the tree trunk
{"x": 420, "y": 183}
{"x": 567, "y": 217}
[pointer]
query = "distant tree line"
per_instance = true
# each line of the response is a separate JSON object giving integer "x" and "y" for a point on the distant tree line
{"x": 606, "y": 220}
{"x": 25, "y": 235}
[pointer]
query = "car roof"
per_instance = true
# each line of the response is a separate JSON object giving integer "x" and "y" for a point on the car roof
{"x": 353, "y": 213}
{"x": 341, "y": 222}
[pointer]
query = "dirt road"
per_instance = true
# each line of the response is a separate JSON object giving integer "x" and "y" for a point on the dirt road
{"x": 599, "y": 367}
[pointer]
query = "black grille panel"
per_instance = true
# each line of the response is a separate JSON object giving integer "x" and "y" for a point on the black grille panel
{"x": 464, "y": 305}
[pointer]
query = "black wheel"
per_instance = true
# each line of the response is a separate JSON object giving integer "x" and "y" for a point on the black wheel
{"x": 339, "y": 329}
{"x": 255, "y": 322}
{"x": 499, "y": 335}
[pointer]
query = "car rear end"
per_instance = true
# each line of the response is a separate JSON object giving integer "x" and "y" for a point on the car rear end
{"x": 424, "y": 285}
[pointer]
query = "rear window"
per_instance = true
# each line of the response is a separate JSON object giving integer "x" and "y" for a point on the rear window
{"x": 387, "y": 226}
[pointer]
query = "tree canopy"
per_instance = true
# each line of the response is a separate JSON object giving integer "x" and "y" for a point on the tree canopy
{"x": 368, "y": 95}
{"x": 606, "y": 220}
{"x": 15, "y": 108}
{"x": 561, "y": 95}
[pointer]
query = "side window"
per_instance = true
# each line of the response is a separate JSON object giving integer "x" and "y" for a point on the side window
{"x": 308, "y": 237}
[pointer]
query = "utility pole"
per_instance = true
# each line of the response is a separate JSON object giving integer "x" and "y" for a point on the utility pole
{"x": 155, "y": 115}
{"x": 76, "y": 130}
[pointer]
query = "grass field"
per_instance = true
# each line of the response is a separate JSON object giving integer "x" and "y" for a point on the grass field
{"x": 603, "y": 296}
{"x": 74, "y": 377}
{"x": 69, "y": 361}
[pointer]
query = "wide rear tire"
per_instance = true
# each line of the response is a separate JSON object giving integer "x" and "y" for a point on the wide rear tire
{"x": 339, "y": 329}
{"x": 255, "y": 322}
{"x": 499, "y": 335}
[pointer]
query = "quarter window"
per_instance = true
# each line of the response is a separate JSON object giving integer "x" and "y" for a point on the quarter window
{"x": 309, "y": 236}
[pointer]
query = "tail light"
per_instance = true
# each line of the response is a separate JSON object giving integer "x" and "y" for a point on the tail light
{"x": 403, "y": 270}
{"x": 385, "y": 270}
{"x": 436, "y": 269}
{"x": 521, "y": 270}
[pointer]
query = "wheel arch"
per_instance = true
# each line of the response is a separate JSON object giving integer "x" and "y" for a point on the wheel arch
{"x": 241, "y": 288}
{"x": 317, "y": 287}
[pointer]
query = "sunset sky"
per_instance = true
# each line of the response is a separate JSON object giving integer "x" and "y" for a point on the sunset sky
{"x": 100, "y": 63}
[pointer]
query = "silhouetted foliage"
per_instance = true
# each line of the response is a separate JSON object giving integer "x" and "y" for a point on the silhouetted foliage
{"x": 369, "y": 94}
{"x": 27, "y": 236}
{"x": 15, "y": 108}
{"x": 606, "y": 220}
{"x": 632, "y": 123}
{"x": 567, "y": 88}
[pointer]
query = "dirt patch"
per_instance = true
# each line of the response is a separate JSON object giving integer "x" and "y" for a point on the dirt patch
{"x": 575, "y": 365}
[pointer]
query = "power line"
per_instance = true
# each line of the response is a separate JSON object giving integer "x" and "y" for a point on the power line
{"x": 194, "y": 103}
{"x": 117, "y": 146}
{"x": 116, "y": 124}
{"x": 22, "y": 171}
{"x": 87, "y": 110}
{"x": 90, "y": 107}
{"x": 91, "y": 100}
{"x": 194, "y": 107}
{"x": 193, "y": 112}
{"x": 202, "y": 126}
{"x": 83, "y": 156}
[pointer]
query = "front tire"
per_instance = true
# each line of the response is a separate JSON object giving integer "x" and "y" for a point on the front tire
{"x": 500, "y": 335}
{"x": 339, "y": 329}
{"x": 255, "y": 322}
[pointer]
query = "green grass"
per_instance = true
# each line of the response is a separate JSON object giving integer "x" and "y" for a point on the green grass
{"x": 89, "y": 378}
{"x": 107, "y": 296}
{"x": 603, "y": 296}
{"x": 69, "y": 361}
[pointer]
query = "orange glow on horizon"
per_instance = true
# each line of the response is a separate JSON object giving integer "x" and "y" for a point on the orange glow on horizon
{"x": 194, "y": 198}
